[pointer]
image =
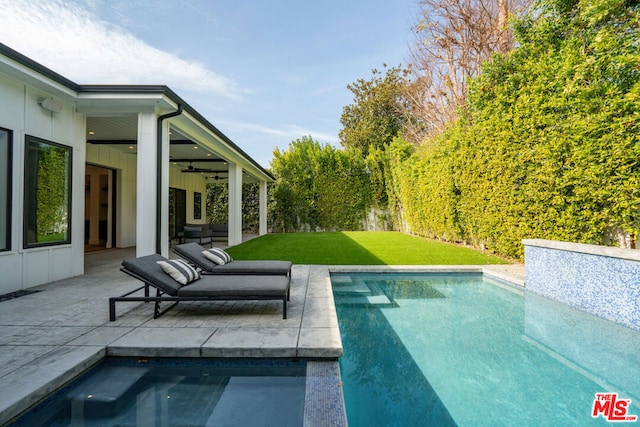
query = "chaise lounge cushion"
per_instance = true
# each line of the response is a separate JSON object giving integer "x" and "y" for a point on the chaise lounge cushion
{"x": 236, "y": 286}
{"x": 148, "y": 269}
{"x": 254, "y": 267}
{"x": 192, "y": 252}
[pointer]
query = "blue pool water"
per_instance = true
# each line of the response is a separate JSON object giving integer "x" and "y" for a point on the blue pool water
{"x": 170, "y": 392}
{"x": 457, "y": 349}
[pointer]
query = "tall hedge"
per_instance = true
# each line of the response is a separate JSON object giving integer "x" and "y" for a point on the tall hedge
{"x": 549, "y": 144}
{"x": 218, "y": 205}
{"x": 318, "y": 187}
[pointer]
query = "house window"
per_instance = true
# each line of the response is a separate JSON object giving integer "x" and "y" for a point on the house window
{"x": 5, "y": 189}
{"x": 47, "y": 193}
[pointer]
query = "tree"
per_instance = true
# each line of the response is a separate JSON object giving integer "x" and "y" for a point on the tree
{"x": 217, "y": 202}
{"x": 318, "y": 187}
{"x": 453, "y": 39}
{"x": 218, "y": 205}
{"x": 375, "y": 117}
{"x": 548, "y": 146}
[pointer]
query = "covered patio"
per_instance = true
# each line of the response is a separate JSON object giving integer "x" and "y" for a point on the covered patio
{"x": 105, "y": 166}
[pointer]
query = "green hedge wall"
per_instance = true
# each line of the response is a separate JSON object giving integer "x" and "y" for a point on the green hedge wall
{"x": 549, "y": 144}
{"x": 318, "y": 187}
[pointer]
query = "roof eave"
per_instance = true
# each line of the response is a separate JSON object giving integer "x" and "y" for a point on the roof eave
{"x": 125, "y": 89}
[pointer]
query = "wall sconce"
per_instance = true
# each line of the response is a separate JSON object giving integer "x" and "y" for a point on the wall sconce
{"x": 50, "y": 105}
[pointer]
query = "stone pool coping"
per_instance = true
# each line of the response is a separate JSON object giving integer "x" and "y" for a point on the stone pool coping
{"x": 608, "y": 251}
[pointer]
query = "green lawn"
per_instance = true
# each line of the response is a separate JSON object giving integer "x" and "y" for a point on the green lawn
{"x": 359, "y": 248}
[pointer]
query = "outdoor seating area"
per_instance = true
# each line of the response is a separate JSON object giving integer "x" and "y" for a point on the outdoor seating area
{"x": 203, "y": 234}
{"x": 226, "y": 287}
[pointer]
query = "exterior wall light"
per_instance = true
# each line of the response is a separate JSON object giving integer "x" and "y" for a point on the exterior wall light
{"x": 50, "y": 105}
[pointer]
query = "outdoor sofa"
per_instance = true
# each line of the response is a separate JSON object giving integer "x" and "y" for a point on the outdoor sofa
{"x": 203, "y": 234}
{"x": 196, "y": 233}
{"x": 206, "y": 288}
{"x": 193, "y": 253}
{"x": 219, "y": 231}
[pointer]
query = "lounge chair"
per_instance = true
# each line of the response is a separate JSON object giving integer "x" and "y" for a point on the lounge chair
{"x": 192, "y": 252}
{"x": 207, "y": 288}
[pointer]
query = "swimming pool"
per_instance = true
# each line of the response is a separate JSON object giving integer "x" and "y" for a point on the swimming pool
{"x": 179, "y": 392}
{"x": 460, "y": 349}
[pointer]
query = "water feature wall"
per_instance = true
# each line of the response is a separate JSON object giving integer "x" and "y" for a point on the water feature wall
{"x": 601, "y": 280}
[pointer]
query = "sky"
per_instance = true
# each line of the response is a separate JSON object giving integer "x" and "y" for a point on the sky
{"x": 264, "y": 72}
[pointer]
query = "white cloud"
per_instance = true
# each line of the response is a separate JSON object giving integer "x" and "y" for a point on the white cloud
{"x": 287, "y": 132}
{"x": 79, "y": 45}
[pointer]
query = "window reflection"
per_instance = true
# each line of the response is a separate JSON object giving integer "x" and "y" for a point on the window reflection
{"x": 47, "y": 193}
{"x": 5, "y": 189}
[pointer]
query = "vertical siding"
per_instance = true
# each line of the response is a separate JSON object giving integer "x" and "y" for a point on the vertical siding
{"x": 20, "y": 112}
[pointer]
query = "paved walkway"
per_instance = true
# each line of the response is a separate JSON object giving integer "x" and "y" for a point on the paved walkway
{"x": 49, "y": 337}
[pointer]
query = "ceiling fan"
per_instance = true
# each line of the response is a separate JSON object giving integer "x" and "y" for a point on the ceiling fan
{"x": 193, "y": 169}
{"x": 216, "y": 177}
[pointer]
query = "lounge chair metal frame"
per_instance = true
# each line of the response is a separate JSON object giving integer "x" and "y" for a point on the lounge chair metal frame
{"x": 162, "y": 296}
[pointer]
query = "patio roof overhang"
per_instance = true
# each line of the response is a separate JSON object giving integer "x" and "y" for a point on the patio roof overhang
{"x": 126, "y": 114}
{"x": 114, "y": 107}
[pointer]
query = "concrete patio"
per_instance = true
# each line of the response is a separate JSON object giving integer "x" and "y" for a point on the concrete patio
{"x": 48, "y": 337}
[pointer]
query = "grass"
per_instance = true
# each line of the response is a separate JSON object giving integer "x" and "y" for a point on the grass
{"x": 359, "y": 248}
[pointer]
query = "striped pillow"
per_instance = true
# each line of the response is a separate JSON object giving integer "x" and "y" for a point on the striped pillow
{"x": 179, "y": 271}
{"x": 217, "y": 256}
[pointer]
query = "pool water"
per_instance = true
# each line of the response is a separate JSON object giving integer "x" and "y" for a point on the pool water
{"x": 179, "y": 392}
{"x": 457, "y": 349}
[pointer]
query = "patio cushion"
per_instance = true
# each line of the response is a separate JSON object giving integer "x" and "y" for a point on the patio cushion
{"x": 217, "y": 255}
{"x": 236, "y": 286}
{"x": 179, "y": 271}
{"x": 255, "y": 267}
{"x": 148, "y": 269}
{"x": 192, "y": 252}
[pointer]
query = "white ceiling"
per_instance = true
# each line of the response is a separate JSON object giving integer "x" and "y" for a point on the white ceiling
{"x": 120, "y": 133}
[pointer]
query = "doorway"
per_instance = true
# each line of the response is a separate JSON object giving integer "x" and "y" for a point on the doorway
{"x": 99, "y": 208}
{"x": 177, "y": 211}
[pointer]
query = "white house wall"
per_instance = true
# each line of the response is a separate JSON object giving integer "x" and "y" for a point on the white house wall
{"x": 19, "y": 112}
{"x": 12, "y": 117}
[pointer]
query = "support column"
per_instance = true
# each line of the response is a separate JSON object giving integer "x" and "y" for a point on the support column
{"x": 164, "y": 203}
{"x": 146, "y": 185}
{"x": 263, "y": 209}
{"x": 235, "y": 204}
